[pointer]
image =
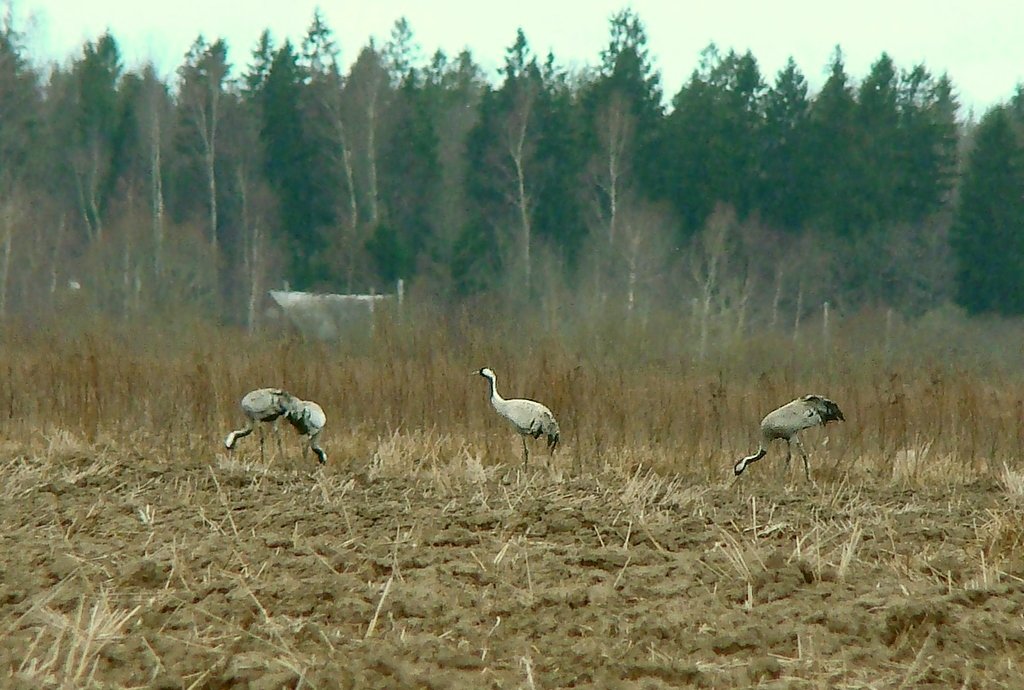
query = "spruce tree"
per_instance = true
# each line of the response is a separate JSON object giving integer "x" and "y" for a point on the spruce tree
{"x": 988, "y": 230}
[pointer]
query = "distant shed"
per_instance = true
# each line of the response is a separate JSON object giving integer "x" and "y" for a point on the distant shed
{"x": 329, "y": 316}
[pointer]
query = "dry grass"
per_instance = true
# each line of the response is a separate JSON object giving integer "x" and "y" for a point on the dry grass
{"x": 637, "y": 401}
{"x": 139, "y": 553}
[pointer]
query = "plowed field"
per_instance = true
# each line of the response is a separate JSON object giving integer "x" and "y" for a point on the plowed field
{"x": 125, "y": 567}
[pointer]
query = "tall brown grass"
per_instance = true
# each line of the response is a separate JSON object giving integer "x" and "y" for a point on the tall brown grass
{"x": 938, "y": 399}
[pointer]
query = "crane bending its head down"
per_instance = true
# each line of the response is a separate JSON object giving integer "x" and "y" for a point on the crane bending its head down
{"x": 787, "y": 421}
{"x": 265, "y": 405}
{"x": 309, "y": 419}
{"x": 529, "y": 417}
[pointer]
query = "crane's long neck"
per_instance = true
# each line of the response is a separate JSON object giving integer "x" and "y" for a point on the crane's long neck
{"x": 744, "y": 462}
{"x": 495, "y": 395}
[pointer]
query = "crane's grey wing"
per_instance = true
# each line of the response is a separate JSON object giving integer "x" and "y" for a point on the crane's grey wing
{"x": 526, "y": 415}
{"x": 264, "y": 403}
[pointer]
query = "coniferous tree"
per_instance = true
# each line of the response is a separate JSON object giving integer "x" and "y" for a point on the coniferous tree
{"x": 833, "y": 149}
{"x": 988, "y": 229}
{"x": 286, "y": 160}
{"x": 628, "y": 77}
{"x": 927, "y": 150}
{"x": 20, "y": 112}
{"x": 410, "y": 182}
{"x": 784, "y": 191}
{"x": 621, "y": 118}
{"x": 874, "y": 176}
{"x": 452, "y": 89}
{"x": 689, "y": 135}
{"x": 558, "y": 216}
{"x": 87, "y": 107}
{"x": 714, "y": 138}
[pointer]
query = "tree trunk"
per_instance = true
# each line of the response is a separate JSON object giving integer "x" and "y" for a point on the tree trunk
{"x": 157, "y": 198}
{"x": 516, "y": 151}
{"x": 5, "y": 255}
{"x": 55, "y": 258}
{"x": 212, "y": 191}
{"x": 371, "y": 154}
{"x": 252, "y": 255}
{"x": 95, "y": 221}
{"x": 353, "y": 205}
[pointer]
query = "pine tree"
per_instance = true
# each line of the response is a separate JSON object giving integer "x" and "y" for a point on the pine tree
{"x": 410, "y": 183}
{"x": 873, "y": 182}
{"x": 20, "y": 112}
{"x": 784, "y": 196}
{"x": 928, "y": 146}
{"x": 286, "y": 164}
{"x": 92, "y": 103}
{"x": 988, "y": 229}
{"x": 715, "y": 135}
{"x": 832, "y": 148}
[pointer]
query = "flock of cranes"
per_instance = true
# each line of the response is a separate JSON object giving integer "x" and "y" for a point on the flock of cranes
{"x": 528, "y": 418}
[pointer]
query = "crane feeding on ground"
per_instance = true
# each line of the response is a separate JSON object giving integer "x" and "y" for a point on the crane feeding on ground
{"x": 529, "y": 417}
{"x": 787, "y": 421}
{"x": 308, "y": 418}
{"x": 266, "y": 405}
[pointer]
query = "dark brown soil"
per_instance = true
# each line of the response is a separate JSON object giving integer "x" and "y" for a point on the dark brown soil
{"x": 123, "y": 570}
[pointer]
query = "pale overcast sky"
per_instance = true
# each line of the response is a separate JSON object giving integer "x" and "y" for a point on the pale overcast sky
{"x": 979, "y": 43}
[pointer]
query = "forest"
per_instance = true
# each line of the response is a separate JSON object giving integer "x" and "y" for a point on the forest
{"x": 128, "y": 194}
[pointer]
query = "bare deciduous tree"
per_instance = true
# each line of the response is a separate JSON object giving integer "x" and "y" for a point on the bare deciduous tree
{"x": 723, "y": 280}
{"x": 202, "y": 86}
{"x": 517, "y": 147}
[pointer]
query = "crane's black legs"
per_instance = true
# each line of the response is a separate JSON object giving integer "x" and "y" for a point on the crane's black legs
{"x": 526, "y": 454}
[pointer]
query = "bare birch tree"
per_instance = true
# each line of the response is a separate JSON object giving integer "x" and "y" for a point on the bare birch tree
{"x": 518, "y": 149}
{"x": 11, "y": 211}
{"x": 202, "y": 87}
{"x": 329, "y": 123}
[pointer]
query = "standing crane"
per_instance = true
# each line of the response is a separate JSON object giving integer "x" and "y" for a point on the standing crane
{"x": 529, "y": 417}
{"x": 787, "y": 421}
{"x": 266, "y": 405}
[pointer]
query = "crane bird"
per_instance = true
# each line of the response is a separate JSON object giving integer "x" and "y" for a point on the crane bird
{"x": 529, "y": 417}
{"x": 308, "y": 418}
{"x": 787, "y": 421}
{"x": 265, "y": 405}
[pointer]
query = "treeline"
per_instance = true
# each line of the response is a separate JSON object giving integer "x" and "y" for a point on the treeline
{"x": 742, "y": 193}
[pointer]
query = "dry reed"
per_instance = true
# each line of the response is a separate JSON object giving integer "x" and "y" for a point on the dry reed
{"x": 630, "y": 397}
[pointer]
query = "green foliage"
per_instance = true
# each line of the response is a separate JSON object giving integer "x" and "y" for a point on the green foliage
{"x": 988, "y": 231}
{"x": 713, "y": 138}
{"x": 833, "y": 130}
{"x": 20, "y": 113}
{"x": 410, "y": 184}
{"x": 784, "y": 195}
{"x": 286, "y": 163}
{"x": 334, "y": 174}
